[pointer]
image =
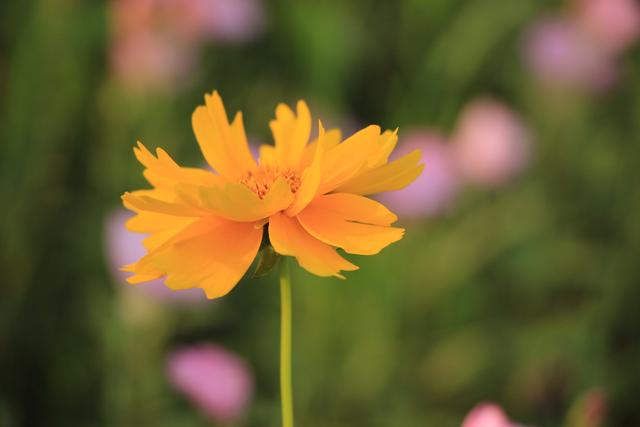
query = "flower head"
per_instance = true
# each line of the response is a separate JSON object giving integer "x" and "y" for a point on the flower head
{"x": 612, "y": 24}
{"x": 206, "y": 227}
{"x": 147, "y": 51}
{"x": 228, "y": 21}
{"x": 491, "y": 143}
{"x": 561, "y": 56}
{"x": 217, "y": 381}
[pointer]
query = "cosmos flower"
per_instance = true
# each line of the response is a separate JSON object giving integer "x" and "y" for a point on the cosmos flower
{"x": 490, "y": 142}
{"x": 148, "y": 51}
{"x": 561, "y": 56}
{"x": 147, "y": 60}
{"x": 308, "y": 199}
{"x": 612, "y": 24}
{"x": 488, "y": 415}
{"x": 435, "y": 190}
{"x": 226, "y": 21}
{"x": 217, "y": 381}
{"x": 155, "y": 43}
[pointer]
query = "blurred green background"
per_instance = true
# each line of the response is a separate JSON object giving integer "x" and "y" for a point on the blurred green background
{"x": 526, "y": 294}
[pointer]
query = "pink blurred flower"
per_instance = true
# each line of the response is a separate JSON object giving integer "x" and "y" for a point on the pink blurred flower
{"x": 131, "y": 16}
{"x": 490, "y": 142}
{"x": 436, "y": 188}
{"x": 561, "y": 56}
{"x": 146, "y": 60}
{"x": 218, "y": 382}
{"x": 146, "y": 51}
{"x": 613, "y": 24}
{"x": 155, "y": 41}
{"x": 124, "y": 247}
{"x": 228, "y": 21}
{"x": 487, "y": 415}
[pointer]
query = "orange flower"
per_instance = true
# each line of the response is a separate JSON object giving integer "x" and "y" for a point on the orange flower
{"x": 205, "y": 228}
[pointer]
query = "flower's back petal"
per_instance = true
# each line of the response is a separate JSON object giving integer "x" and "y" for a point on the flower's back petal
{"x": 237, "y": 202}
{"x": 138, "y": 277}
{"x": 291, "y": 134}
{"x": 289, "y": 238}
{"x": 150, "y": 222}
{"x": 352, "y": 207}
{"x": 158, "y": 238}
{"x": 141, "y": 200}
{"x": 145, "y": 270}
{"x": 392, "y": 176}
{"x": 335, "y": 228}
{"x": 224, "y": 147}
{"x": 346, "y": 159}
{"x": 142, "y": 278}
{"x": 160, "y": 227}
{"x": 212, "y": 254}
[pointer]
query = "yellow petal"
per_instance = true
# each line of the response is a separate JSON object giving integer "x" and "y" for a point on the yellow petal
{"x": 289, "y": 238}
{"x": 141, "y": 278}
{"x": 310, "y": 178}
{"x": 160, "y": 227}
{"x": 225, "y": 148}
{"x": 190, "y": 195}
{"x": 386, "y": 143}
{"x": 212, "y": 143}
{"x": 236, "y": 202}
{"x": 163, "y": 172}
{"x": 213, "y": 254}
{"x": 332, "y": 137}
{"x": 242, "y": 150}
{"x": 150, "y": 222}
{"x": 392, "y": 176}
{"x": 268, "y": 155}
{"x": 348, "y": 158}
{"x": 158, "y": 238}
{"x": 138, "y": 277}
{"x": 352, "y": 207}
{"x": 145, "y": 270}
{"x": 141, "y": 201}
{"x": 291, "y": 134}
{"x": 334, "y": 228}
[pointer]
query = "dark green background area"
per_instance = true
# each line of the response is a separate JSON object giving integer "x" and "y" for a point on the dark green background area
{"x": 528, "y": 295}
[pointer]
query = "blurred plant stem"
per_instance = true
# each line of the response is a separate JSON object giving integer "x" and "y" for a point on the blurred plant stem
{"x": 286, "y": 395}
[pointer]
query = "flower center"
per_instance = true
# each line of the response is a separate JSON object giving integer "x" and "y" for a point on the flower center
{"x": 260, "y": 180}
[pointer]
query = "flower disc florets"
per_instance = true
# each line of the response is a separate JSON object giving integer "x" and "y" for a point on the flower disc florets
{"x": 260, "y": 180}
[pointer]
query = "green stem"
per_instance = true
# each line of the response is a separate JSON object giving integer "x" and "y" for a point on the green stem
{"x": 286, "y": 394}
